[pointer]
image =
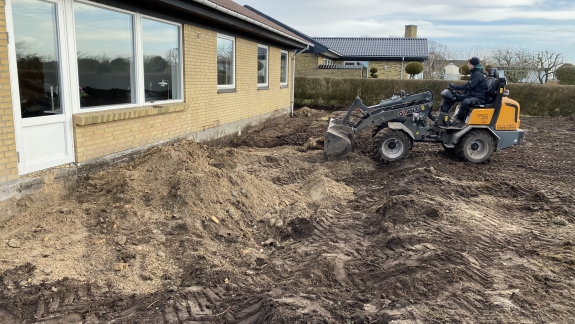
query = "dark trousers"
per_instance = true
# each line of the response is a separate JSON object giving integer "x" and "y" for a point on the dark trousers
{"x": 466, "y": 103}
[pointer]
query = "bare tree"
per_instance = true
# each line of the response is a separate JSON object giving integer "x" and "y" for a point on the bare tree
{"x": 517, "y": 62}
{"x": 545, "y": 63}
{"x": 438, "y": 57}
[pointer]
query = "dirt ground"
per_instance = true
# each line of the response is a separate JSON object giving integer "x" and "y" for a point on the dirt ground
{"x": 262, "y": 230}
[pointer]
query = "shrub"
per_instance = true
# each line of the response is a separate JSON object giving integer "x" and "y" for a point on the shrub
{"x": 566, "y": 74}
{"x": 535, "y": 99}
{"x": 373, "y": 72}
{"x": 413, "y": 68}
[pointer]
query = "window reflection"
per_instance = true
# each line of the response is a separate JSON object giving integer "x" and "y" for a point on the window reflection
{"x": 225, "y": 61}
{"x": 105, "y": 56}
{"x": 37, "y": 57}
{"x": 283, "y": 67}
{"x": 262, "y": 65}
{"x": 161, "y": 60}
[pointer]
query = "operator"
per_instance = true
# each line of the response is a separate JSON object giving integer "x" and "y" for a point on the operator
{"x": 475, "y": 90}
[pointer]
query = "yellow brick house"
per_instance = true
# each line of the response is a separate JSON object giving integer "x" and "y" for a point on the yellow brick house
{"x": 81, "y": 80}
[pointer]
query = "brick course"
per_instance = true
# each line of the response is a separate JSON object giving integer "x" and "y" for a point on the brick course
{"x": 8, "y": 158}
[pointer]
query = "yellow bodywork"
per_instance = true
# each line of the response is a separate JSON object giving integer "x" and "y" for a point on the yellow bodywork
{"x": 481, "y": 116}
{"x": 508, "y": 116}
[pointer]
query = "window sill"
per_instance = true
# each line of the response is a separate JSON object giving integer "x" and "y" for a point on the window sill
{"x": 99, "y": 117}
{"x": 227, "y": 90}
{"x": 264, "y": 88}
{"x": 284, "y": 86}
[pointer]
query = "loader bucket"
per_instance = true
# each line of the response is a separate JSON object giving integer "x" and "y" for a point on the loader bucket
{"x": 337, "y": 141}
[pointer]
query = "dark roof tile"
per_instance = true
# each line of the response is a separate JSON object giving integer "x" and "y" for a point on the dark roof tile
{"x": 376, "y": 47}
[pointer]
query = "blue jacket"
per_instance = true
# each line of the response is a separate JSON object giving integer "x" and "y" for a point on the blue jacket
{"x": 476, "y": 86}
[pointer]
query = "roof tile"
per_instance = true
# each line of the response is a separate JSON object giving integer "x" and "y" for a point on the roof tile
{"x": 376, "y": 47}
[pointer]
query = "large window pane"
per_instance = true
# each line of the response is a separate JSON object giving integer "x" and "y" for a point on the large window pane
{"x": 225, "y": 62}
{"x": 262, "y": 65}
{"x": 35, "y": 34}
{"x": 162, "y": 76}
{"x": 283, "y": 67}
{"x": 104, "y": 41}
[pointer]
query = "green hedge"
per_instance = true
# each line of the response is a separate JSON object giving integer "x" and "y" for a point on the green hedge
{"x": 535, "y": 99}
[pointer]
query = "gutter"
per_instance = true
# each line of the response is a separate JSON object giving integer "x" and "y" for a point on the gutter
{"x": 250, "y": 20}
{"x": 293, "y": 78}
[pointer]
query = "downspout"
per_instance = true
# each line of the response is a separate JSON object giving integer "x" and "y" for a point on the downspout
{"x": 293, "y": 78}
{"x": 402, "y": 58}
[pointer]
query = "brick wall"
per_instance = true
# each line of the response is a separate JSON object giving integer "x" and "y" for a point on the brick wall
{"x": 8, "y": 159}
{"x": 205, "y": 108}
{"x": 388, "y": 69}
{"x": 306, "y": 64}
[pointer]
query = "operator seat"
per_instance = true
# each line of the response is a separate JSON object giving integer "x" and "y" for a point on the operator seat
{"x": 492, "y": 87}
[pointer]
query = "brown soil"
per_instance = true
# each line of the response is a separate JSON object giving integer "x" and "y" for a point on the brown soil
{"x": 263, "y": 231}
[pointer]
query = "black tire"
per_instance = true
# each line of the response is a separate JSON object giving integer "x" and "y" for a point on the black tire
{"x": 377, "y": 128}
{"x": 477, "y": 146}
{"x": 391, "y": 145}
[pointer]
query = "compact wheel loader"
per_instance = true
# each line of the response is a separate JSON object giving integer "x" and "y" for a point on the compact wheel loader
{"x": 400, "y": 121}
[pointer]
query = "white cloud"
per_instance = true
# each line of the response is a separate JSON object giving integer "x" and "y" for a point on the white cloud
{"x": 544, "y": 24}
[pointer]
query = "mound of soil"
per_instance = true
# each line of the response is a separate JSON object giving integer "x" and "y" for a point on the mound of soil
{"x": 262, "y": 230}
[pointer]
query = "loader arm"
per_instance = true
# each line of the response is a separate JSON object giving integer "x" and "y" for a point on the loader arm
{"x": 341, "y": 132}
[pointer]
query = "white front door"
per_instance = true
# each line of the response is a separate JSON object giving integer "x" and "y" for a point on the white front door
{"x": 40, "y": 84}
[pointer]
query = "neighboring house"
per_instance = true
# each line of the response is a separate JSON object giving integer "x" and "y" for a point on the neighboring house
{"x": 86, "y": 79}
{"x": 451, "y": 72}
{"x": 355, "y": 56}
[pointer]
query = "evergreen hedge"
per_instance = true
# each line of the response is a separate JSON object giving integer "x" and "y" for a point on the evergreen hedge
{"x": 534, "y": 99}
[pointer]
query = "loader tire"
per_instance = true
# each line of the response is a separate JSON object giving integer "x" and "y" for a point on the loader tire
{"x": 391, "y": 145}
{"x": 377, "y": 128}
{"x": 477, "y": 146}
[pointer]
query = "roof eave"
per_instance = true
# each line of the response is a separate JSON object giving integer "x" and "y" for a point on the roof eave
{"x": 251, "y": 21}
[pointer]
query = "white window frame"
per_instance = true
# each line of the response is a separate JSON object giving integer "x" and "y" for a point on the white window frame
{"x": 266, "y": 69}
{"x": 138, "y": 58}
{"x": 233, "y": 85}
{"x": 140, "y": 65}
{"x": 287, "y": 68}
{"x": 327, "y": 61}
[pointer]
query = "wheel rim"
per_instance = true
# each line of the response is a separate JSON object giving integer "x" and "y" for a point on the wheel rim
{"x": 478, "y": 149}
{"x": 392, "y": 148}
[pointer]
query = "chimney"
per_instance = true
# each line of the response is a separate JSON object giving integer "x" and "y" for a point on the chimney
{"x": 410, "y": 31}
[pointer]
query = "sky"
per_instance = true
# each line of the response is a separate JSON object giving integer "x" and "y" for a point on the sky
{"x": 466, "y": 28}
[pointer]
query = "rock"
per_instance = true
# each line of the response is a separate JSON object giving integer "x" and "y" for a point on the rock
{"x": 147, "y": 277}
{"x": 14, "y": 244}
{"x": 47, "y": 271}
{"x": 161, "y": 254}
{"x": 91, "y": 319}
{"x": 120, "y": 266}
{"x": 120, "y": 239}
{"x": 269, "y": 242}
{"x": 245, "y": 252}
{"x": 279, "y": 223}
{"x": 560, "y": 221}
{"x": 215, "y": 220}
